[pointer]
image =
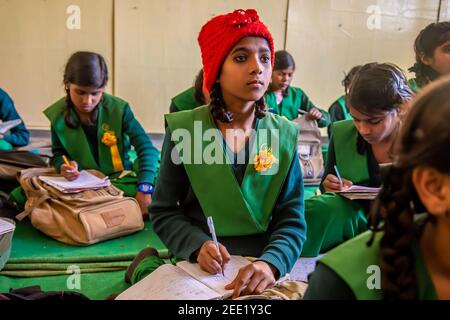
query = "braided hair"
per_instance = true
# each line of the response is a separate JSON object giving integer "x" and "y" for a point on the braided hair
{"x": 219, "y": 109}
{"x": 424, "y": 141}
{"x": 430, "y": 38}
{"x": 85, "y": 69}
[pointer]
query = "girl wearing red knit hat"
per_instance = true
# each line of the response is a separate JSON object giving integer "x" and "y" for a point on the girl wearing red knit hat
{"x": 255, "y": 195}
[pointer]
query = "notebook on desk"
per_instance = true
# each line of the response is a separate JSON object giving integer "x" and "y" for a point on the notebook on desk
{"x": 85, "y": 181}
{"x": 356, "y": 192}
{"x": 185, "y": 281}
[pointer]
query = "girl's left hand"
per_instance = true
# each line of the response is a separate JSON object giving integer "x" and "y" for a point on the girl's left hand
{"x": 144, "y": 201}
{"x": 314, "y": 114}
{"x": 253, "y": 279}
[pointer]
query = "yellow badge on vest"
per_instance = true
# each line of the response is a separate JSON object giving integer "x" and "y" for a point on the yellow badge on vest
{"x": 109, "y": 139}
{"x": 264, "y": 160}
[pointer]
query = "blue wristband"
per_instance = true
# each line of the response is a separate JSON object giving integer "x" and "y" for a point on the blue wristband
{"x": 146, "y": 188}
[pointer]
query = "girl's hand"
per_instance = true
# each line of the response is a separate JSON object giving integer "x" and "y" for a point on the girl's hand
{"x": 253, "y": 279}
{"x": 70, "y": 172}
{"x": 314, "y": 114}
{"x": 144, "y": 201}
{"x": 212, "y": 260}
{"x": 332, "y": 184}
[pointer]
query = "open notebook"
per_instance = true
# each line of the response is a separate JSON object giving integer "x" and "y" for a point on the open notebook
{"x": 85, "y": 181}
{"x": 185, "y": 281}
{"x": 8, "y": 125}
{"x": 359, "y": 192}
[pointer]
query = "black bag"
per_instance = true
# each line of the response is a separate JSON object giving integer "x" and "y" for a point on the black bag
{"x": 35, "y": 293}
{"x": 12, "y": 162}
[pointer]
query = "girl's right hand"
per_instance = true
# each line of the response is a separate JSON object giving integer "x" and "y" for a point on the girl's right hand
{"x": 332, "y": 184}
{"x": 212, "y": 260}
{"x": 70, "y": 172}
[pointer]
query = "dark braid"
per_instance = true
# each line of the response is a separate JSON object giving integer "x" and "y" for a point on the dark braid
{"x": 397, "y": 258}
{"x": 219, "y": 109}
{"x": 422, "y": 142}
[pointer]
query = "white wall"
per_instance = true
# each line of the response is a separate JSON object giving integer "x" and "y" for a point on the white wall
{"x": 329, "y": 37}
{"x": 35, "y": 44}
{"x": 152, "y": 51}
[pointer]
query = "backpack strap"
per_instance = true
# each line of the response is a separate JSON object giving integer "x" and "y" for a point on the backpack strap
{"x": 44, "y": 196}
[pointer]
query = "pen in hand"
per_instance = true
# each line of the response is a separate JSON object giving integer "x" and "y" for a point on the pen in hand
{"x": 338, "y": 175}
{"x": 213, "y": 234}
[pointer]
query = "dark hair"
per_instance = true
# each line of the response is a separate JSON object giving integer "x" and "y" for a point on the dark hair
{"x": 377, "y": 88}
{"x": 198, "y": 88}
{"x": 433, "y": 36}
{"x": 219, "y": 109}
{"x": 87, "y": 69}
{"x": 283, "y": 60}
{"x": 349, "y": 77}
{"x": 424, "y": 141}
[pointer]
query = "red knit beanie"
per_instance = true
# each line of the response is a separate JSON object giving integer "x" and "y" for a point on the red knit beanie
{"x": 219, "y": 35}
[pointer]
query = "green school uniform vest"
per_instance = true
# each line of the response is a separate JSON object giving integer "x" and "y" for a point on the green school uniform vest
{"x": 355, "y": 263}
{"x": 331, "y": 218}
{"x": 74, "y": 140}
{"x": 289, "y": 106}
{"x": 343, "y": 104}
{"x": 236, "y": 210}
{"x": 186, "y": 100}
{"x": 351, "y": 165}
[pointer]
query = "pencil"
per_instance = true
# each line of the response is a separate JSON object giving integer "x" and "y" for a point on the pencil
{"x": 66, "y": 161}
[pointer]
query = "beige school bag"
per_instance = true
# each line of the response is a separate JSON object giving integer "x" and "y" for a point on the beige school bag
{"x": 310, "y": 151}
{"x": 81, "y": 218}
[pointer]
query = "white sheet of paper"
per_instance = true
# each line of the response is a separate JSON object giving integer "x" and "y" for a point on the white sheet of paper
{"x": 302, "y": 268}
{"x": 6, "y": 226}
{"x": 85, "y": 180}
{"x": 217, "y": 282}
{"x": 360, "y": 189}
{"x": 168, "y": 282}
{"x": 8, "y": 125}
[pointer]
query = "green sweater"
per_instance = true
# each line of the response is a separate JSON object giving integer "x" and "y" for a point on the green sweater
{"x": 18, "y": 136}
{"x": 180, "y": 222}
{"x": 295, "y": 100}
{"x": 147, "y": 154}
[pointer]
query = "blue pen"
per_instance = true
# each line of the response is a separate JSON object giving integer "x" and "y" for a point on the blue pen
{"x": 212, "y": 230}
{"x": 337, "y": 173}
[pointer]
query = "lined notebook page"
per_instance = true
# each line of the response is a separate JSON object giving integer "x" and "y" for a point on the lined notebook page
{"x": 168, "y": 282}
{"x": 217, "y": 282}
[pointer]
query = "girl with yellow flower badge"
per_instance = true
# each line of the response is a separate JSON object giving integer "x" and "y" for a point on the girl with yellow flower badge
{"x": 96, "y": 131}
{"x": 253, "y": 189}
